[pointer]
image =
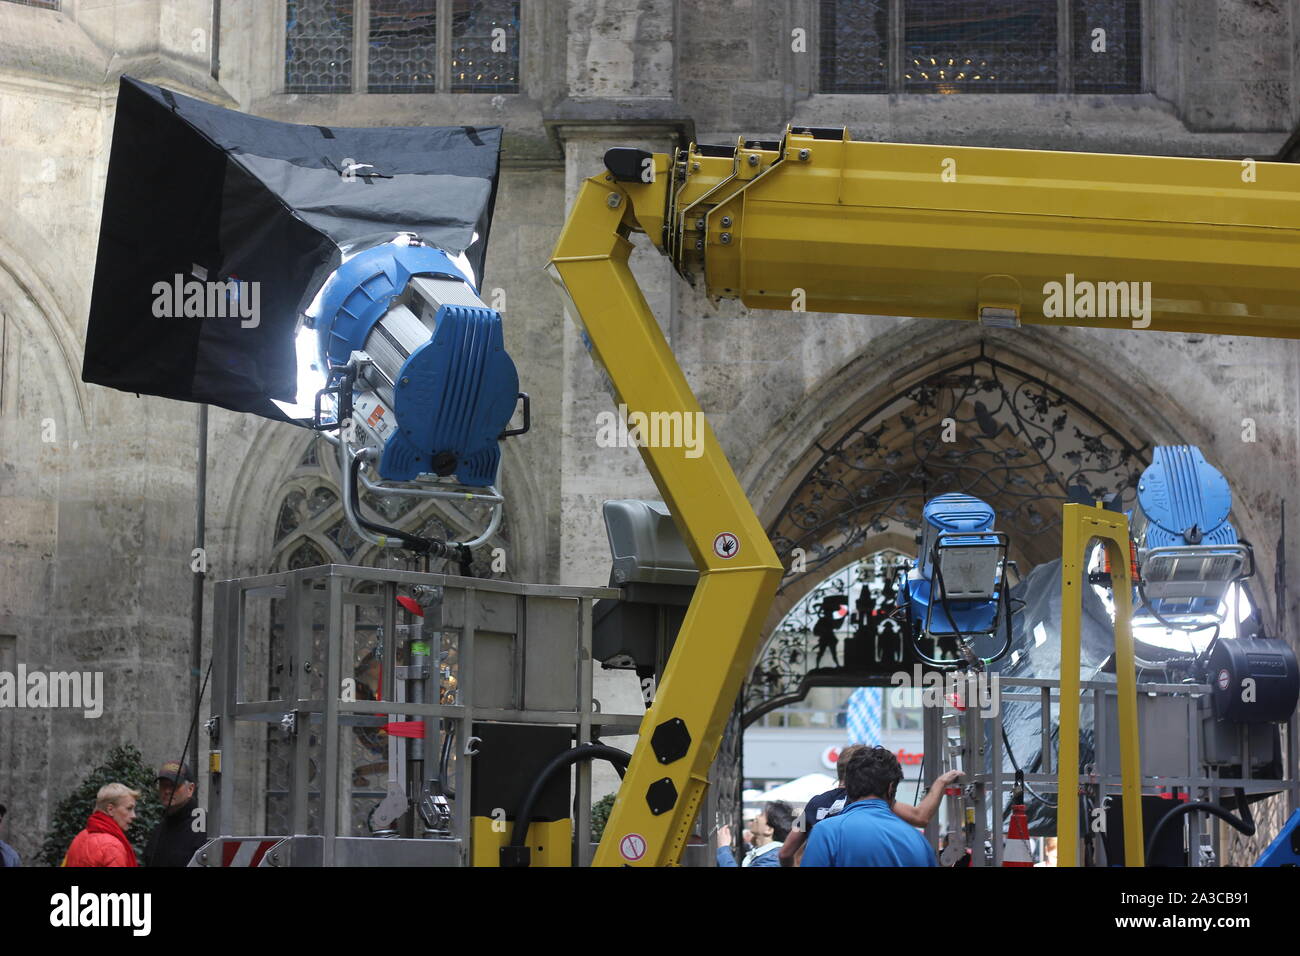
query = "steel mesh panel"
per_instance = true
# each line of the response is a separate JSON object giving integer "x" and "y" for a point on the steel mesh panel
{"x": 318, "y": 46}
{"x": 1109, "y": 61}
{"x": 485, "y": 46}
{"x": 854, "y": 46}
{"x": 403, "y": 46}
{"x": 973, "y": 46}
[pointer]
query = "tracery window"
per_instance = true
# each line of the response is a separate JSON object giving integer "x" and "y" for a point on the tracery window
{"x": 311, "y": 529}
{"x": 980, "y": 46}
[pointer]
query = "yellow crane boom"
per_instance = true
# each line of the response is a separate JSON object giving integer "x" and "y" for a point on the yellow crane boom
{"x": 818, "y": 222}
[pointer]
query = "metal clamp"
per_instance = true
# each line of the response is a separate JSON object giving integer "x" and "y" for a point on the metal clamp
{"x": 471, "y": 746}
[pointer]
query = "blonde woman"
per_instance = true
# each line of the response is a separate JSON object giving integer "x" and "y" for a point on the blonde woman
{"x": 103, "y": 842}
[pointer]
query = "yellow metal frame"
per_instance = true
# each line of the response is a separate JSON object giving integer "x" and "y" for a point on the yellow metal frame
{"x": 1080, "y": 526}
{"x": 719, "y": 637}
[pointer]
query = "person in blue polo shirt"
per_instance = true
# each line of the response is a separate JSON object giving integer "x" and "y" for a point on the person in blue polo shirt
{"x": 867, "y": 832}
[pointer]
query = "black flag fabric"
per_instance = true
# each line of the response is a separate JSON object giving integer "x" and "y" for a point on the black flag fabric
{"x": 219, "y": 228}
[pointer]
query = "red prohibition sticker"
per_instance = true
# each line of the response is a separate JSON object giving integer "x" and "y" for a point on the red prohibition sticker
{"x": 726, "y": 545}
{"x": 1223, "y": 679}
{"x": 632, "y": 847}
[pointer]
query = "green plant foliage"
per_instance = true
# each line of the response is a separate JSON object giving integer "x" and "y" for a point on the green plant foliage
{"x": 600, "y": 816}
{"x": 125, "y": 764}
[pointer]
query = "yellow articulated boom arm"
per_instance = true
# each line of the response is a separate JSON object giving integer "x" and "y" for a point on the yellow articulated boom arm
{"x": 817, "y": 222}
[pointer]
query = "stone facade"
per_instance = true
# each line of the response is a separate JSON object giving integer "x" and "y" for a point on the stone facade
{"x": 97, "y": 487}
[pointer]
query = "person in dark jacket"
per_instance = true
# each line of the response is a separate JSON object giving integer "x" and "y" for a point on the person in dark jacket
{"x": 769, "y": 830}
{"x": 181, "y": 831}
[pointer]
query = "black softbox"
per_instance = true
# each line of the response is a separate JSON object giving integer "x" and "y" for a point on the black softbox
{"x": 206, "y": 193}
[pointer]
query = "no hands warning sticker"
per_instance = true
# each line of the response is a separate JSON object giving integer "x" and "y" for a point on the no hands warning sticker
{"x": 632, "y": 847}
{"x": 1223, "y": 679}
{"x": 726, "y": 545}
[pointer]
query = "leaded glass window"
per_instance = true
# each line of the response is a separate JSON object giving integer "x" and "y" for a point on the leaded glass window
{"x": 1107, "y": 46}
{"x": 318, "y": 46}
{"x": 485, "y": 46}
{"x": 402, "y": 46}
{"x": 980, "y": 46}
{"x": 951, "y": 46}
{"x": 853, "y": 46}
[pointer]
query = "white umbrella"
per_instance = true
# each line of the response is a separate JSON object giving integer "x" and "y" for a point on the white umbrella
{"x": 801, "y": 790}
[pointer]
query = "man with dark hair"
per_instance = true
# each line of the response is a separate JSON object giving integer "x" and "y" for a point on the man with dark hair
{"x": 831, "y": 802}
{"x": 769, "y": 831}
{"x": 181, "y": 830}
{"x": 868, "y": 832}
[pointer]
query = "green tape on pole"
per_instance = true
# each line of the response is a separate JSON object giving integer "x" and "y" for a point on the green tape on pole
{"x": 420, "y": 647}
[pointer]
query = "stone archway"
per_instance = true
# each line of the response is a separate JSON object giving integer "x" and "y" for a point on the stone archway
{"x": 979, "y": 424}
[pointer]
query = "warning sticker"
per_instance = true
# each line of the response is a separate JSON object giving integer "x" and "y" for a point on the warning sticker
{"x": 726, "y": 545}
{"x": 1223, "y": 679}
{"x": 632, "y": 847}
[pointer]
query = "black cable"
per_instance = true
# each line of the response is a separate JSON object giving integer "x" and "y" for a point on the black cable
{"x": 428, "y": 546}
{"x": 618, "y": 768}
{"x": 448, "y": 740}
{"x": 560, "y": 762}
{"x": 1006, "y": 742}
{"x": 1245, "y": 824}
{"x": 194, "y": 721}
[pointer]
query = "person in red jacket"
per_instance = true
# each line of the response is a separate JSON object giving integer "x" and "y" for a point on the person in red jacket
{"x": 104, "y": 842}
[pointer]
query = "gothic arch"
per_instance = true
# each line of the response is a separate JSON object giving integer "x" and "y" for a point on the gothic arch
{"x": 38, "y": 312}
